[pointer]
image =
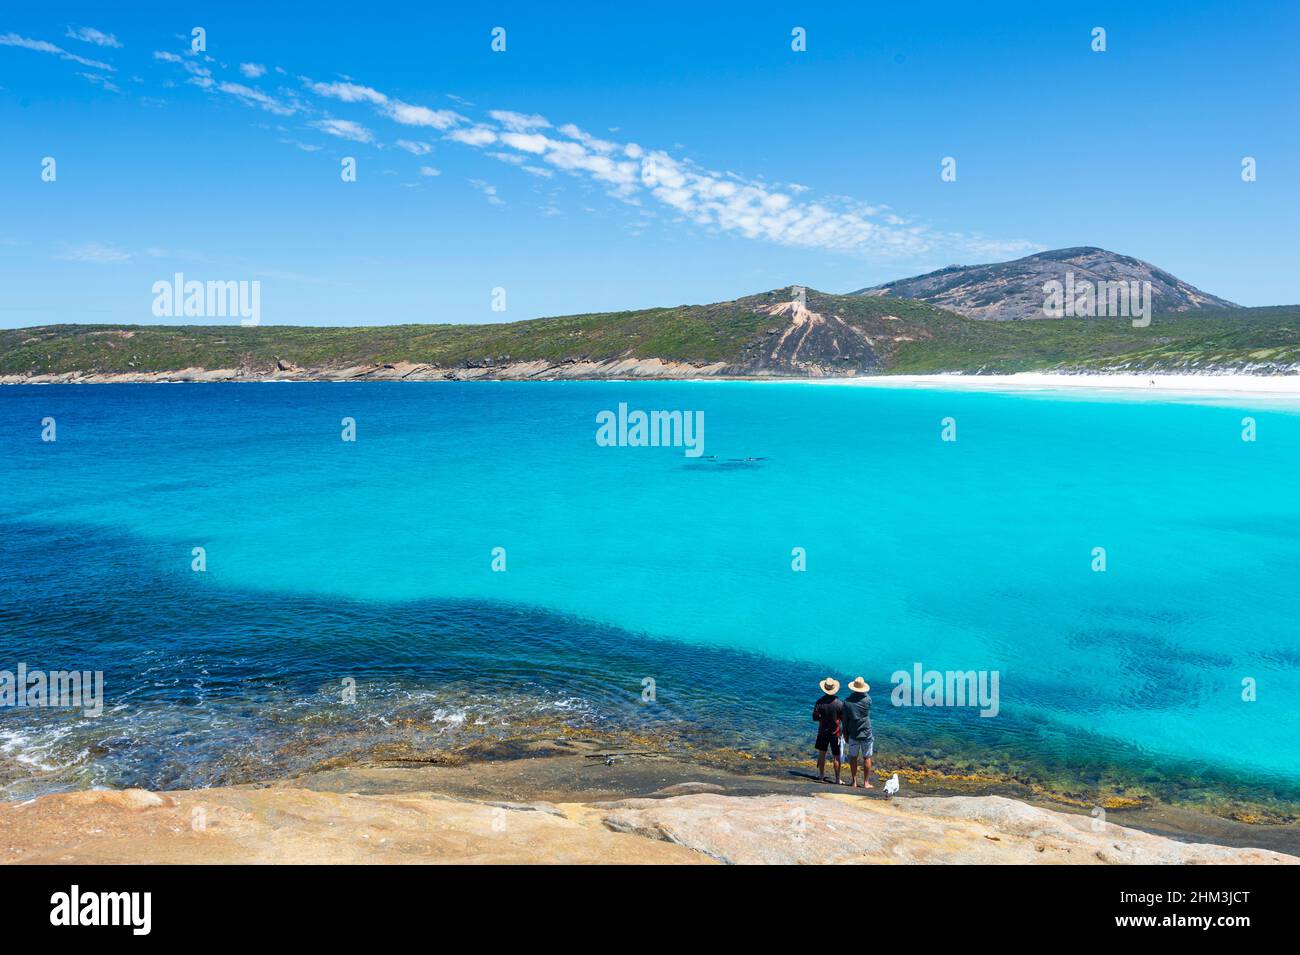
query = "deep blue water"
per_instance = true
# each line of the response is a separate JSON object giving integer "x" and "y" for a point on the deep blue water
{"x": 372, "y": 561}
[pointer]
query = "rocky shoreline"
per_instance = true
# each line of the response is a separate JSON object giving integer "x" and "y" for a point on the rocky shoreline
{"x": 584, "y": 806}
{"x": 1230, "y": 380}
{"x": 398, "y": 371}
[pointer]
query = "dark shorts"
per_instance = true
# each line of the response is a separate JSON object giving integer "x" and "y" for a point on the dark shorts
{"x": 828, "y": 739}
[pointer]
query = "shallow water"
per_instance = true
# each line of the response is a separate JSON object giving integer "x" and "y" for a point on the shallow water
{"x": 372, "y": 561}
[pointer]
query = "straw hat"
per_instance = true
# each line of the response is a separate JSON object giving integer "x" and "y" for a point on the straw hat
{"x": 860, "y": 685}
{"x": 830, "y": 685}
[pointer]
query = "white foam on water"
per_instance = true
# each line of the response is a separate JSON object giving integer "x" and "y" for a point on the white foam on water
{"x": 23, "y": 748}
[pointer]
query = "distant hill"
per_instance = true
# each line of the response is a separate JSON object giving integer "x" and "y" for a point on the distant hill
{"x": 1006, "y": 291}
{"x": 787, "y": 332}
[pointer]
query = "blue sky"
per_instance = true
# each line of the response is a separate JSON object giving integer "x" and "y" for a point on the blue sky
{"x": 621, "y": 156}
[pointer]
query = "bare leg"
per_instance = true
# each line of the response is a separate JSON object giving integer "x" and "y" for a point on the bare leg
{"x": 837, "y": 770}
{"x": 853, "y": 771}
{"x": 821, "y": 766}
{"x": 866, "y": 773}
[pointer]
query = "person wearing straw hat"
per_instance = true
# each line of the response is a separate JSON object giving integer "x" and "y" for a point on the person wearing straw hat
{"x": 828, "y": 713}
{"x": 858, "y": 740}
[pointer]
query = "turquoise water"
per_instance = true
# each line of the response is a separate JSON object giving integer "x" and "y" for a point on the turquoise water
{"x": 373, "y": 560}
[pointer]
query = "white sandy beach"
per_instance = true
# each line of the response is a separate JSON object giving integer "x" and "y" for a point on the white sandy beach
{"x": 1192, "y": 386}
{"x": 1280, "y": 389}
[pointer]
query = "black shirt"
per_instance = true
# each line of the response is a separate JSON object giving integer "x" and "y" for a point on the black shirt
{"x": 827, "y": 712}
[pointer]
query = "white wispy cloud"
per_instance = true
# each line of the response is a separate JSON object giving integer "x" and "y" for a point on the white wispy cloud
{"x": 44, "y": 46}
{"x": 105, "y": 253}
{"x": 347, "y": 92}
{"x": 256, "y": 97}
{"x": 474, "y": 136}
{"x": 344, "y": 129}
{"x": 414, "y": 147}
{"x": 409, "y": 114}
{"x": 200, "y": 75}
{"x": 430, "y": 171}
{"x": 649, "y": 178}
{"x": 91, "y": 35}
{"x": 102, "y": 81}
{"x": 591, "y": 142}
{"x": 521, "y": 162}
{"x": 488, "y": 190}
{"x": 519, "y": 122}
{"x": 534, "y": 143}
{"x": 719, "y": 201}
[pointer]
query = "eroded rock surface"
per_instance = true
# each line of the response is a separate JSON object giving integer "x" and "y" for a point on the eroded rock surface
{"x": 285, "y": 824}
{"x": 956, "y": 829}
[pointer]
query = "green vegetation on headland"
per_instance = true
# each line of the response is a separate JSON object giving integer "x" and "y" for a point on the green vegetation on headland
{"x": 760, "y": 335}
{"x": 1263, "y": 340}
